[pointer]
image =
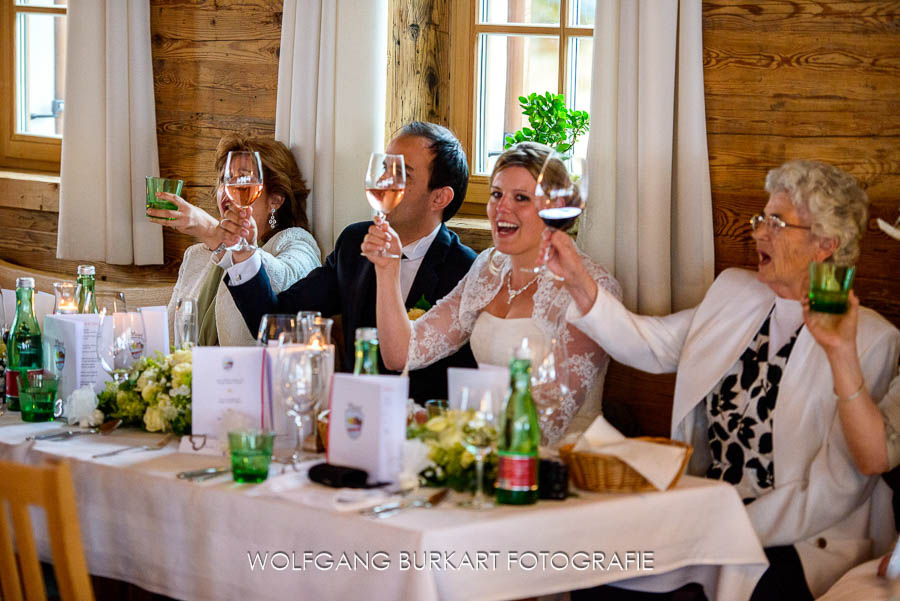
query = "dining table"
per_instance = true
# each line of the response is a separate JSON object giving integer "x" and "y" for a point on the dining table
{"x": 289, "y": 538}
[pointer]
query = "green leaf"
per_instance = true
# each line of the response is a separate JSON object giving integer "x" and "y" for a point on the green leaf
{"x": 422, "y": 303}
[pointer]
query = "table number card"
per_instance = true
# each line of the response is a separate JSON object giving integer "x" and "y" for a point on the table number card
{"x": 226, "y": 388}
{"x": 367, "y": 424}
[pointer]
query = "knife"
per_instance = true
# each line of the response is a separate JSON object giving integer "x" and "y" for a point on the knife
{"x": 388, "y": 509}
{"x": 64, "y": 435}
{"x": 204, "y": 474}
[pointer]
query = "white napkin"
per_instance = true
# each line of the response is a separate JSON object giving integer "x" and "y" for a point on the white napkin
{"x": 659, "y": 464}
{"x": 297, "y": 487}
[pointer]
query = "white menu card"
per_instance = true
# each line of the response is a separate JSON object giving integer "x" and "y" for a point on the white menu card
{"x": 226, "y": 384}
{"x": 367, "y": 424}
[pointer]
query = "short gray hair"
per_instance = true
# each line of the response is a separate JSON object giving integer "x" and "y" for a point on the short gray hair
{"x": 838, "y": 207}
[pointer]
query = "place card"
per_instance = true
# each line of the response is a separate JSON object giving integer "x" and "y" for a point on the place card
{"x": 156, "y": 330}
{"x": 367, "y": 424}
{"x": 226, "y": 388}
{"x": 478, "y": 381}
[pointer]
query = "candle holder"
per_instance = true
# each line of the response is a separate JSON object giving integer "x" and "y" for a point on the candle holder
{"x": 66, "y": 298}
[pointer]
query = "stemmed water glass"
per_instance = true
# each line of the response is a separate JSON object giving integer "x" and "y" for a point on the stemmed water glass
{"x": 385, "y": 185}
{"x": 299, "y": 387}
{"x": 187, "y": 326}
{"x": 559, "y": 197}
{"x": 479, "y": 435}
{"x": 120, "y": 337}
{"x": 243, "y": 181}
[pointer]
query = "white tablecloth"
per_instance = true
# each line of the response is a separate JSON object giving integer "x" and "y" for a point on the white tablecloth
{"x": 195, "y": 541}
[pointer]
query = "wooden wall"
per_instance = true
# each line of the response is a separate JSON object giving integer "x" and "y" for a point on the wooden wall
{"x": 215, "y": 66}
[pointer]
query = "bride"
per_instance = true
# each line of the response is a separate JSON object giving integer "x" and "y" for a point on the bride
{"x": 498, "y": 302}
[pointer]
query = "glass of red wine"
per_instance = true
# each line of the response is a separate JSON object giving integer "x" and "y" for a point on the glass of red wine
{"x": 559, "y": 196}
{"x": 385, "y": 185}
{"x": 243, "y": 180}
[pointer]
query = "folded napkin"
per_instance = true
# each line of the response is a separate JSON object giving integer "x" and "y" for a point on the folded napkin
{"x": 297, "y": 487}
{"x": 659, "y": 464}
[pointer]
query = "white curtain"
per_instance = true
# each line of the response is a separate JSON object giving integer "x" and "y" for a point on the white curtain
{"x": 331, "y": 103}
{"x": 650, "y": 215}
{"x": 109, "y": 135}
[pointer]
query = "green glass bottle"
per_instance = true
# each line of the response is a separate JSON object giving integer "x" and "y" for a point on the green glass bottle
{"x": 366, "y": 352}
{"x": 24, "y": 345}
{"x": 87, "y": 300}
{"x": 519, "y": 436}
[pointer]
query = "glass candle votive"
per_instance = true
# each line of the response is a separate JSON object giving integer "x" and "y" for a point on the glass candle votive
{"x": 66, "y": 298}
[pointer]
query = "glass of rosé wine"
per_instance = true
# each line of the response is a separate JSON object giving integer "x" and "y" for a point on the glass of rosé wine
{"x": 385, "y": 185}
{"x": 243, "y": 181}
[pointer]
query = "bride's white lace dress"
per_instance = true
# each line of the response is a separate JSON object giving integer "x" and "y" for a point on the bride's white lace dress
{"x": 458, "y": 317}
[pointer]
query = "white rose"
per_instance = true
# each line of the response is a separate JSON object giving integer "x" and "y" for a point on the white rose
{"x": 154, "y": 420}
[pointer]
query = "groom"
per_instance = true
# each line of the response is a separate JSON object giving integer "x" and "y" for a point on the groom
{"x": 434, "y": 259}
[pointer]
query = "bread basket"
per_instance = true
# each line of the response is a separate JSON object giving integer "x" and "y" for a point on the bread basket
{"x": 604, "y": 473}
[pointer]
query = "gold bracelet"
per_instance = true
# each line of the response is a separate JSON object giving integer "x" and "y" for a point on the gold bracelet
{"x": 852, "y": 396}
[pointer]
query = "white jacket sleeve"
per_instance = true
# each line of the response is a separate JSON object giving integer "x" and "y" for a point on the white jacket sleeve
{"x": 833, "y": 487}
{"x": 651, "y": 344}
{"x": 293, "y": 255}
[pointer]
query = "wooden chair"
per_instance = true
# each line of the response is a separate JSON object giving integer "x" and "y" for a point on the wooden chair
{"x": 49, "y": 487}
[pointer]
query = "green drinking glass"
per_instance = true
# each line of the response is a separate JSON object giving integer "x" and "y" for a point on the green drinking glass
{"x": 829, "y": 287}
{"x": 251, "y": 453}
{"x": 37, "y": 394}
{"x": 161, "y": 184}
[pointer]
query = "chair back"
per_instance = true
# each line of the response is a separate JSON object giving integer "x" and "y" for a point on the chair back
{"x": 49, "y": 487}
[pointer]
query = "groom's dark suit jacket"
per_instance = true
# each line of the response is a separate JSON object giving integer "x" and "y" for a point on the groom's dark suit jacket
{"x": 345, "y": 285}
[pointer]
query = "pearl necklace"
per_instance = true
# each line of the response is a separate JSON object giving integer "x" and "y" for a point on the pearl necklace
{"x": 514, "y": 293}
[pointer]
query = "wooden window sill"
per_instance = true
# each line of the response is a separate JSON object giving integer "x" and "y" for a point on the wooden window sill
{"x": 32, "y": 191}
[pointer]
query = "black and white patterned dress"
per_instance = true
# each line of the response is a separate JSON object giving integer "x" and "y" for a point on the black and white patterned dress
{"x": 740, "y": 412}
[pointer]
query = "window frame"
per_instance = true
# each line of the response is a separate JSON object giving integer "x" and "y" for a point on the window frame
{"x": 464, "y": 33}
{"x": 17, "y": 150}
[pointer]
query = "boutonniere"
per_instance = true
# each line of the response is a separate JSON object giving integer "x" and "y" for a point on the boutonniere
{"x": 419, "y": 309}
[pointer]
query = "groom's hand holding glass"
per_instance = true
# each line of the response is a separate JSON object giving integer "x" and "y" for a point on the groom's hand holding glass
{"x": 382, "y": 245}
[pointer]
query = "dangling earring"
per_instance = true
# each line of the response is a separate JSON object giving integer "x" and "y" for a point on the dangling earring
{"x": 272, "y": 221}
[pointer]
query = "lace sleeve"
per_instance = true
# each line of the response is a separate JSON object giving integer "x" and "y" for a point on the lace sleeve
{"x": 441, "y": 331}
{"x": 578, "y": 365}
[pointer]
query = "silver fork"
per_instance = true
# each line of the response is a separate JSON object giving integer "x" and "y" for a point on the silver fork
{"x": 160, "y": 444}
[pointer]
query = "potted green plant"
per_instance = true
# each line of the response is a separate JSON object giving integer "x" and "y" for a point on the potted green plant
{"x": 551, "y": 122}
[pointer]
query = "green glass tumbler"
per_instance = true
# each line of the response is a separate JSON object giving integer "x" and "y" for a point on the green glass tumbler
{"x": 829, "y": 287}
{"x": 161, "y": 184}
{"x": 251, "y": 453}
{"x": 37, "y": 395}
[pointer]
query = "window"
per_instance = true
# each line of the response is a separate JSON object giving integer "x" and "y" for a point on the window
{"x": 503, "y": 49}
{"x": 33, "y": 34}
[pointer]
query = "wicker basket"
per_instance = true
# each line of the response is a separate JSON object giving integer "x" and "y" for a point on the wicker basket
{"x": 605, "y": 473}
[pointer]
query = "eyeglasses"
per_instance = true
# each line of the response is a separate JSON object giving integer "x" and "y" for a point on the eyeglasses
{"x": 775, "y": 223}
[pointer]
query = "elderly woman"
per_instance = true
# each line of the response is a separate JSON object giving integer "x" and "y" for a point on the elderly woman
{"x": 278, "y": 222}
{"x": 753, "y": 394}
{"x": 499, "y": 302}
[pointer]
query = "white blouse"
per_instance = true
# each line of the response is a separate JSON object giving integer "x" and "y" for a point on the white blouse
{"x": 450, "y": 323}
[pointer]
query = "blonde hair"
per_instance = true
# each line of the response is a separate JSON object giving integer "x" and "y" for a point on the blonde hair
{"x": 281, "y": 176}
{"x": 832, "y": 198}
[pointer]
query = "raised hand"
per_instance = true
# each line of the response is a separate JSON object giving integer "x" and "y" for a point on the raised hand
{"x": 564, "y": 261}
{"x": 381, "y": 242}
{"x": 238, "y": 223}
{"x": 833, "y": 332}
{"x": 186, "y": 219}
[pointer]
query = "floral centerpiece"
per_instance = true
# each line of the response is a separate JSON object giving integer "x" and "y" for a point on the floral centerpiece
{"x": 448, "y": 462}
{"x": 155, "y": 396}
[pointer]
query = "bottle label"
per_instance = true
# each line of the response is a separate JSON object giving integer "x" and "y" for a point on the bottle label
{"x": 517, "y": 472}
{"x": 12, "y": 383}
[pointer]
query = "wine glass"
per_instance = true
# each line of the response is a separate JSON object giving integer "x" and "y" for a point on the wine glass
{"x": 305, "y": 320}
{"x": 299, "y": 384}
{"x": 113, "y": 302}
{"x": 277, "y": 328}
{"x": 385, "y": 185}
{"x": 120, "y": 342}
{"x": 243, "y": 180}
{"x": 550, "y": 378}
{"x": 559, "y": 197}
{"x": 187, "y": 326}
{"x": 479, "y": 435}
